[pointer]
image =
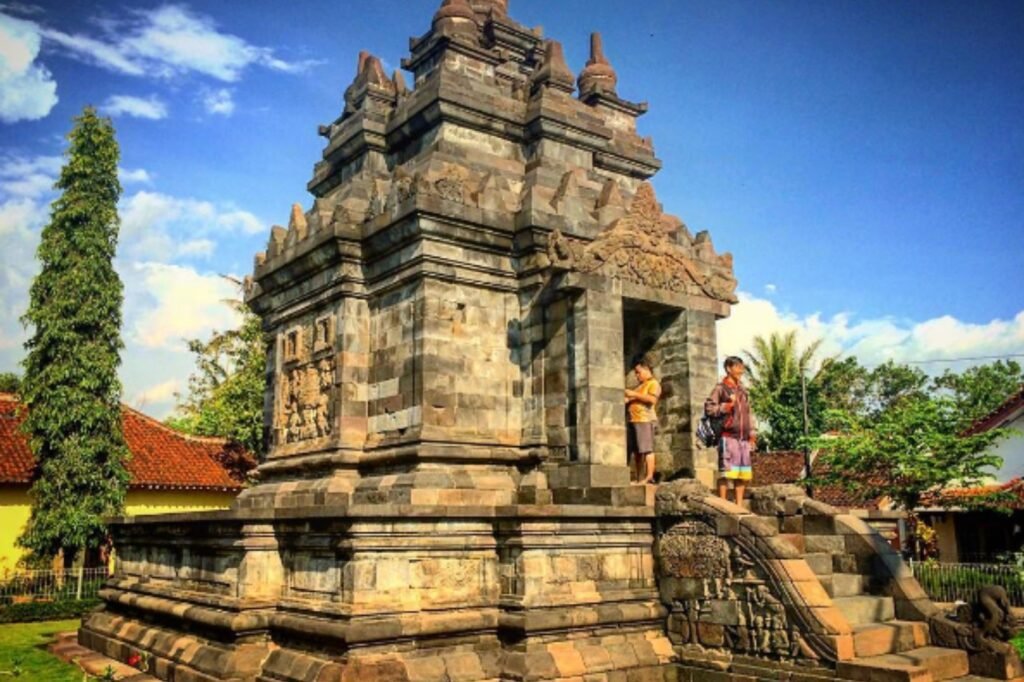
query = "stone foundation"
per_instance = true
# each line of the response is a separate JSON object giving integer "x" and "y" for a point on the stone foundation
{"x": 523, "y": 593}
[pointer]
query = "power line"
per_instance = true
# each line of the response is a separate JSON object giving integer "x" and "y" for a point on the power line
{"x": 971, "y": 359}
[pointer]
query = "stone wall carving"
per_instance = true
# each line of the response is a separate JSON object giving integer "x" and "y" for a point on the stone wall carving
{"x": 722, "y": 598}
{"x": 305, "y": 399}
{"x": 640, "y": 248}
{"x": 984, "y": 625}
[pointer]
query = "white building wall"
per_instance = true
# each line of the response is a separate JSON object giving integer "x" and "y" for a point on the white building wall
{"x": 1012, "y": 451}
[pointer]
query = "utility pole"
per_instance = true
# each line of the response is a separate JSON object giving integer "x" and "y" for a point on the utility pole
{"x": 807, "y": 451}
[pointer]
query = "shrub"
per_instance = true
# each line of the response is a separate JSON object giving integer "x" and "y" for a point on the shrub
{"x": 47, "y": 610}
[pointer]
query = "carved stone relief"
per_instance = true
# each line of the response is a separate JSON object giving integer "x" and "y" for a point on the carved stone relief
{"x": 305, "y": 399}
{"x": 721, "y": 599}
{"x": 640, "y": 248}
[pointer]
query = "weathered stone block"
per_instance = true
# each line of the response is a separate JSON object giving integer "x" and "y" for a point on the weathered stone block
{"x": 832, "y": 544}
{"x": 711, "y": 634}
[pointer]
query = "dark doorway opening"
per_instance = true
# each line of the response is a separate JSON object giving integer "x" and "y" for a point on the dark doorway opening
{"x": 651, "y": 330}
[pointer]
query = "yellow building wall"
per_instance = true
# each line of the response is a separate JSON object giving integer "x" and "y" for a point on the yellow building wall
{"x": 145, "y": 502}
{"x": 14, "y": 512}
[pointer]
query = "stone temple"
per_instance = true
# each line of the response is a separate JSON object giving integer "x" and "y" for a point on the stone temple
{"x": 446, "y": 496}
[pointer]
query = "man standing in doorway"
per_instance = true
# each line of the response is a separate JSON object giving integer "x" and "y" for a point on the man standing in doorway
{"x": 643, "y": 419}
{"x": 730, "y": 402}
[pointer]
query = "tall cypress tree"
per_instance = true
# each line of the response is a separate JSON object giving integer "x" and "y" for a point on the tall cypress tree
{"x": 71, "y": 387}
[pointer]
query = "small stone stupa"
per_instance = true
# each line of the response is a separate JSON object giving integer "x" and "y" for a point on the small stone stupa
{"x": 450, "y": 327}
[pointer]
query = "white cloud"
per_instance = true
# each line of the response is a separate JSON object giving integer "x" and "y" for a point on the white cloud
{"x": 28, "y": 177}
{"x": 174, "y": 303}
{"x": 161, "y": 392}
{"x": 137, "y": 176}
{"x": 94, "y": 51}
{"x": 159, "y": 226}
{"x": 171, "y": 40}
{"x": 181, "y": 41}
{"x": 197, "y": 247}
{"x": 770, "y": 289}
{"x": 151, "y": 107}
{"x": 27, "y": 89}
{"x": 219, "y": 102}
{"x": 20, "y": 221}
{"x": 874, "y": 341}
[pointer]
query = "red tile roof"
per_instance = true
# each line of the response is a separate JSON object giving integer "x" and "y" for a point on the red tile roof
{"x": 788, "y": 467}
{"x": 777, "y": 467}
{"x": 162, "y": 458}
{"x": 998, "y": 416}
{"x": 951, "y": 497}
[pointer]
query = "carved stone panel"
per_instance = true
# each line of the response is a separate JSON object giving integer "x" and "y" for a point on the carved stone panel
{"x": 651, "y": 249}
{"x": 306, "y": 401}
{"x": 720, "y": 597}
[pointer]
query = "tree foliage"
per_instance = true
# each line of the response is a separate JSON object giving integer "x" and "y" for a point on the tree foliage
{"x": 979, "y": 390}
{"x": 225, "y": 392}
{"x": 889, "y": 432}
{"x": 907, "y": 442}
{"x": 775, "y": 363}
{"x": 71, "y": 387}
{"x": 775, "y": 369}
{"x": 912, "y": 448}
{"x": 10, "y": 382}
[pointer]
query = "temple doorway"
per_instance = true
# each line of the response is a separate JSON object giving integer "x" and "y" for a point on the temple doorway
{"x": 653, "y": 330}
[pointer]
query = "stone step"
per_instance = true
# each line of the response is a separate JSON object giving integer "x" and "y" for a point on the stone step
{"x": 896, "y": 636}
{"x": 924, "y": 664}
{"x": 864, "y": 609}
{"x": 843, "y": 584}
{"x": 820, "y": 562}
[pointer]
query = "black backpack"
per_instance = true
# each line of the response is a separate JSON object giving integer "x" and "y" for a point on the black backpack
{"x": 709, "y": 430}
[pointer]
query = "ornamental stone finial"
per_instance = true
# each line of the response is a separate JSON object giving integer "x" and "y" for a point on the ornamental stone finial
{"x": 554, "y": 72}
{"x": 598, "y": 74}
{"x": 485, "y": 7}
{"x": 455, "y": 16}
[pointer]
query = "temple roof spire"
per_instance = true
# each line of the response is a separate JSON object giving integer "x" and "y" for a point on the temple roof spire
{"x": 598, "y": 75}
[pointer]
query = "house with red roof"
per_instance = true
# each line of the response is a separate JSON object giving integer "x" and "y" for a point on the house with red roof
{"x": 170, "y": 471}
{"x": 969, "y": 535}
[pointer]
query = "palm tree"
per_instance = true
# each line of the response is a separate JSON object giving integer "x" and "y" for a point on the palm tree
{"x": 775, "y": 362}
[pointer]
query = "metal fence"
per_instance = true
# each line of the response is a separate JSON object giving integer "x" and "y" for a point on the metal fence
{"x": 39, "y": 585}
{"x": 960, "y": 582}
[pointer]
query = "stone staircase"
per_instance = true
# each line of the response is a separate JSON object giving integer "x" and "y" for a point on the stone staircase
{"x": 886, "y": 648}
{"x": 789, "y": 588}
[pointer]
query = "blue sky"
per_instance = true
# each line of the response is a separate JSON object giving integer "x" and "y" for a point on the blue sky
{"x": 863, "y": 161}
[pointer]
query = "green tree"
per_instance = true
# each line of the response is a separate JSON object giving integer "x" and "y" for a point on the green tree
{"x": 890, "y": 383}
{"x": 843, "y": 385}
{"x": 775, "y": 370}
{"x": 225, "y": 393}
{"x": 979, "y": 390}
{"x": 775, "y": 362}
{"x": 71, "y": 387}
{"x": 10, "y": 382}
{"x": 911, "y": 449}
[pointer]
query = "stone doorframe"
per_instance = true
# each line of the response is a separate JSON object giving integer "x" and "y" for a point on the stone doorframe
{"x": 682, "y": 343}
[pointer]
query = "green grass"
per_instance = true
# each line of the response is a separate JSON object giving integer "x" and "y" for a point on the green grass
{"x": 1018, "y": 642}
{"x": 24, "y": 645}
